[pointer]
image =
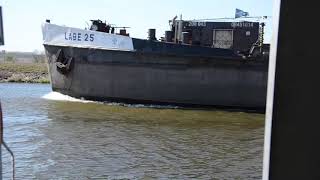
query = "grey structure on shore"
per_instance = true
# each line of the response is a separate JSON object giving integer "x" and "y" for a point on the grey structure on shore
{"x": 171, "y": 71}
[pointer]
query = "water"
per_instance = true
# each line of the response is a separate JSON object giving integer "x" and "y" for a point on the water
{"x": 68, "y": 138}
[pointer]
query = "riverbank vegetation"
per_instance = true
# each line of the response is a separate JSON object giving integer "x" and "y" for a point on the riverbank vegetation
{"x": 27, "y": 70}
{"x": 24, "y": 72}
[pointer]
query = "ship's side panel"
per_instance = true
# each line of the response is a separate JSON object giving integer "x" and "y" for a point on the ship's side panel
{"x": 104, "y": 74}
{"x": 243, "y": 34}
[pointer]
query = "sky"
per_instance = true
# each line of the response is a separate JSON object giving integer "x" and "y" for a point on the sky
{"x": 22, "y": 19}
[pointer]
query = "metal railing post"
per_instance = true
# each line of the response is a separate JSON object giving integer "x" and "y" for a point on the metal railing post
{"x": 6, "y": 147}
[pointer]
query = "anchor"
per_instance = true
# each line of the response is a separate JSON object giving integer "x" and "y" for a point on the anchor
{"x": 63, "y": 64}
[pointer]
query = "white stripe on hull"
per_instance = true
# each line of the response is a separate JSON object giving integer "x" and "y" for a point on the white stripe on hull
{"x": 75, "y": 37}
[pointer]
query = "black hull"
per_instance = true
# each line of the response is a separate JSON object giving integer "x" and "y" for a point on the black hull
{"x": 142, "y": 77}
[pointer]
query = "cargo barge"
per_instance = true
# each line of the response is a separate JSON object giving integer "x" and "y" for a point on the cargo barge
{"x": 197, "y": 63}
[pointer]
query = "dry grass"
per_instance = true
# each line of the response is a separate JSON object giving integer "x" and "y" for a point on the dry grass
{"x": 24, "y": 67}
{"x": 24, "y": 72}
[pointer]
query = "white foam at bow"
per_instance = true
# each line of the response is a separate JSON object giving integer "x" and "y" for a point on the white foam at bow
{"x": 56, "y": 96}
{"x": 61, "y": 97}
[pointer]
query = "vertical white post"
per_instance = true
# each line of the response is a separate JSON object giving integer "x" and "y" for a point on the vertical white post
{"x": 292, "y": 139}
{"x": 270, "y": 90}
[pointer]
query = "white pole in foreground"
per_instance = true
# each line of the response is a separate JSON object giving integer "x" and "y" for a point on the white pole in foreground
{"x": 270, "y": 90}
{"x": 292, "y": 147}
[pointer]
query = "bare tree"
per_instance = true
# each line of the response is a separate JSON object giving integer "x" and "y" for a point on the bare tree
{"x": 38, "y": 57}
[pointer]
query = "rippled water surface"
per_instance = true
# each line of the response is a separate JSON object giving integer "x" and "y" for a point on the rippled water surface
{"x": 87, "y": 140}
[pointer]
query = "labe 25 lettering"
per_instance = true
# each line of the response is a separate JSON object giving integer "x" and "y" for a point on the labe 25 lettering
{"x": 78, "y": 36}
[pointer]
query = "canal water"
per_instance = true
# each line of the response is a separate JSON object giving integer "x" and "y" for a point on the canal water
{"x": 57, "y": 137}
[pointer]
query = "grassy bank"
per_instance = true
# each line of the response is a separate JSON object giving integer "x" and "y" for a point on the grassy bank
{"x": 24, "y": 72}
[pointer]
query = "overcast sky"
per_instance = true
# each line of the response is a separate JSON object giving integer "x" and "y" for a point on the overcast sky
{"x": 23, "y": 18}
